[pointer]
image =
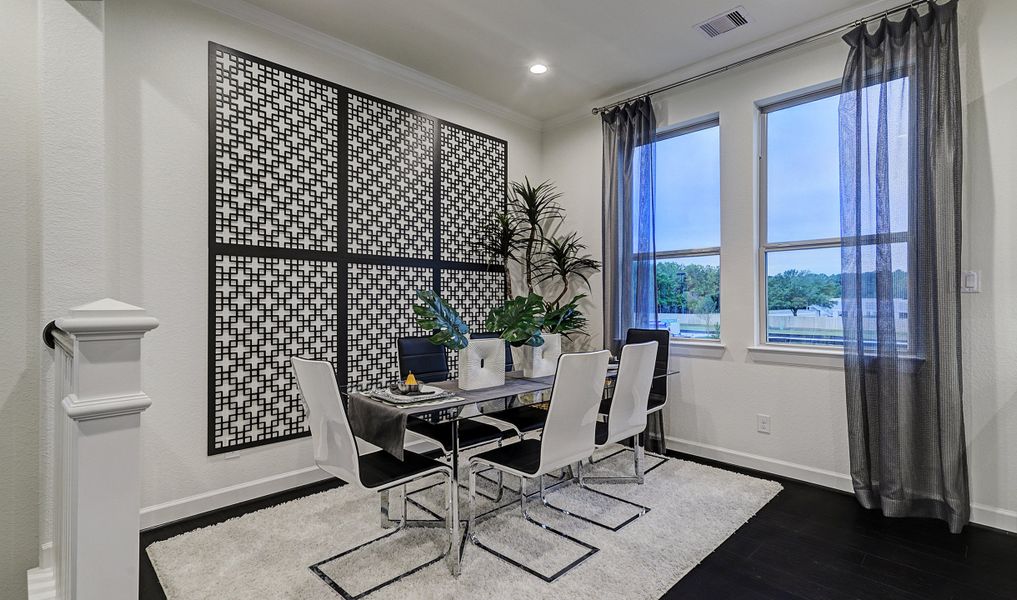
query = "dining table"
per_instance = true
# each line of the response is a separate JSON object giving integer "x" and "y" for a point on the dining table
{"x": 461, "y": 404}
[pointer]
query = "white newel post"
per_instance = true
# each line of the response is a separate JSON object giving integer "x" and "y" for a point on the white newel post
{"x": 95, "y": 492}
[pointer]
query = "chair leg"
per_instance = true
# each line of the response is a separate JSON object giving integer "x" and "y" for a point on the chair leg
{"x": 388, "y": 524}
{"x": 452, "y": 556}
{"x": 473, "y": 502}
{"x": 385, "y": 502}
{"x": 638, "y": 453}
{"x": 582, "y": 484}
{"x": 639, "y": 456}
{"x": 590, "y": 549}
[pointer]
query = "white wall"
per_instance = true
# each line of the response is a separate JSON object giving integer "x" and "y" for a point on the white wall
{"x": 19, "y": 297}
{"x": 716, "y": 399}
{"x": 156, "y": 101}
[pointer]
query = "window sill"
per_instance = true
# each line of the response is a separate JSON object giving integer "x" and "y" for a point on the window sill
{"x": 797, "y": 356}
{"x": 697, "y": 348}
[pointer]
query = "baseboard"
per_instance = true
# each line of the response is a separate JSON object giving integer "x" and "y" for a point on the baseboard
{"x": 41, "y": 584}
{"x": 994, "y": 517}
{"x": 986, "y": 516}
{"x": 175, "y": 510}
{"x": 830, "y": 479}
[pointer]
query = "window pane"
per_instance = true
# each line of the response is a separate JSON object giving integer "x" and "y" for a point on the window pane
{"x": 688, "y": 296}
{"x": 884, "y": 194}
{"x": 688, "y": 191}
{"x": 896, "y": 279}
{"x": 803, "y": 172}
{"x": 803, "y": 297}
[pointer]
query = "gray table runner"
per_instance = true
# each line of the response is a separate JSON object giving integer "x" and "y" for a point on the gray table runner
{"x": 378, "y": 423}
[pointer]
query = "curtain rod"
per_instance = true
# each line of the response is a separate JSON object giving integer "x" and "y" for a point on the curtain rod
{"x": 880, "y": 15}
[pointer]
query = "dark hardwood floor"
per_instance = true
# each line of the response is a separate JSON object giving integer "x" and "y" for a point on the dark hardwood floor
{"x": 808, "y": 542}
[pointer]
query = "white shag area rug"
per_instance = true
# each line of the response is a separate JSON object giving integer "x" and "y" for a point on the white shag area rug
{"x": 267, "y": 554}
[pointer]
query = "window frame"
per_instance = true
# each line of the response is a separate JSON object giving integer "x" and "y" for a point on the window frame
{"x": 765, "y": 246}
{"x": 681, "y": 129}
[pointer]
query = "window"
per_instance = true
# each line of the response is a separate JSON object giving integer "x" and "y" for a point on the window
{"x": 687, "y": 227}
{"x": 800, "y": 254}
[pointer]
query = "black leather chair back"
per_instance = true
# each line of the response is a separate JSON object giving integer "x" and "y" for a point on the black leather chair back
{"x": 508, "y": 349}
{"x": 663, "y": 339}
{"x": 427, "y": 361}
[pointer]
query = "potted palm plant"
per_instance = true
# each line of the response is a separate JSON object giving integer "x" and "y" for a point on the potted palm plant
{"x": 481, "y": 361}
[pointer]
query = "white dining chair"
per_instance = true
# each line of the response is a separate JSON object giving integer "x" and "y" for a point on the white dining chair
{"x": 567, "y": 438}
{"x": 626, "y": 417}
{"x": 336, "y": 453}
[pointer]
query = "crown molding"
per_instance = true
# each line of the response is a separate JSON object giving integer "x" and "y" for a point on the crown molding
{"x": 270, "y": 21}
{"x": 731, "y": 56}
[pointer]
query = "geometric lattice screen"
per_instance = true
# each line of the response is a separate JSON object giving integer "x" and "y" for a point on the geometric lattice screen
{"x": 328, "y": 209}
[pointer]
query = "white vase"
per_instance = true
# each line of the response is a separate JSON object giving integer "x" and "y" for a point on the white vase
{"x": 482, "y": 364}
{"x": 542, "y": 360}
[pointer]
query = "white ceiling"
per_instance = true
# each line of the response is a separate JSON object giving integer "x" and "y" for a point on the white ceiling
{"x": 595, "y": 48}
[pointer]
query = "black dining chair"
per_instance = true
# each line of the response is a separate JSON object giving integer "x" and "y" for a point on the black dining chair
{"x": 429, "y": 364}
{"x": 522, "y": 419}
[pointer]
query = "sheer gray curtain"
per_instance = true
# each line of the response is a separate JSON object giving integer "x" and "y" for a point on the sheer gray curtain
{"x": 900, "y": 136}
{"x": 630, "y": 281}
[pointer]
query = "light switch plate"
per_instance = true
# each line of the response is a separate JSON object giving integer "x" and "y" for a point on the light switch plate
{"x": 971, "y": 282}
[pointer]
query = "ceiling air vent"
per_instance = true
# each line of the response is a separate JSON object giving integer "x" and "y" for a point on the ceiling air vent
{"x": 725, "y": 22}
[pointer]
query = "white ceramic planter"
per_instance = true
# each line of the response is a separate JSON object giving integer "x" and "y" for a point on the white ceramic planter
{"x": 482, "y": 364}
{"x": 542, "y": 360}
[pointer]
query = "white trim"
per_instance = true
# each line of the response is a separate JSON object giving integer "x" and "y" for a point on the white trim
{"x": 981, "y": 514}
{"x": 830, "y": 479}
{"x": 270, "y": 21}
{"x": 802, "y": 356}
{"x": 41, "y": 584}
{"x": 175, "y": 510}
{"x": 699, "y": 349}
{"x": 995, "y": 517}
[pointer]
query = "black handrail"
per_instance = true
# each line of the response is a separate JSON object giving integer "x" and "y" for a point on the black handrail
{"x": 47, "y": 334}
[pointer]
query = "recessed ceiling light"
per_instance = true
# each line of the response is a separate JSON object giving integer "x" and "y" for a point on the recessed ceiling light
{"x": 538, "y": 68}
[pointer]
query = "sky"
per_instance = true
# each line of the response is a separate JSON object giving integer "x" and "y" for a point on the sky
{"x": 802, "y": 181}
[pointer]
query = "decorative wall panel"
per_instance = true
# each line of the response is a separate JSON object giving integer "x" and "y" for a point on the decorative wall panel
{"x": 276, "y": 157}
{"x": 391, "y": 180}
{"x": 379, "y": 301}
{"x": 473, "y": 188}
{"x": 324, "y": 204}
{"x": 266, "y": 310}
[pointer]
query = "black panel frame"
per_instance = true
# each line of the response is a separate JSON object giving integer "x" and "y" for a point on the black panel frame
{"x": 340, "y": 257}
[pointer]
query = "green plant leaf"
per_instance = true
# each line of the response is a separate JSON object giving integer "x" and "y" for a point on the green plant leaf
{"x": 518, "y": 322}
{"x": 449, "y": 328}
{"x": 566, "y": 319}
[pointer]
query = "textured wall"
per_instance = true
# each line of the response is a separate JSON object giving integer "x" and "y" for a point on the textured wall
{"x": 19, "y": 298}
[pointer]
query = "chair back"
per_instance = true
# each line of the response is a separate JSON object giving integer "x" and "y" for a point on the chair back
{"x": 627, "y": 416}
{"x": 335, "y": 448}
{"x": 427, "y": 361}
{"x": 571, "y": 424}
{"x": 508, "y": 348}
{"x": 663, "y": 339}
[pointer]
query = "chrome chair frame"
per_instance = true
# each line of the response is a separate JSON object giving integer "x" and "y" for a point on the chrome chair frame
{"x": 590, "y": 549}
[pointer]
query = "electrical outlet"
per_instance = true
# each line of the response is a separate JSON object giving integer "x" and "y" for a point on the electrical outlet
{"x": 971, "y": 282}
{"x": 763, "y": 423}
